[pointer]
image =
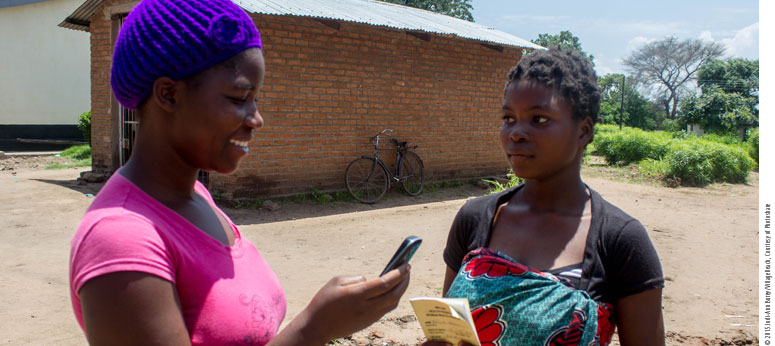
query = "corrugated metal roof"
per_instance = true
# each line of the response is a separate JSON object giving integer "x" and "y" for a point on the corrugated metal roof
{"x": 81, "y": 18}
{"x": 360, "y": 11}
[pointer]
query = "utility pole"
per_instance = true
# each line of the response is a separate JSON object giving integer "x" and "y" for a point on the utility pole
{"x": 621, "y": 109}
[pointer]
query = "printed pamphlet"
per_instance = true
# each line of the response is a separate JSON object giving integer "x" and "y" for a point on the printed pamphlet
{"x": 445, "y": 319}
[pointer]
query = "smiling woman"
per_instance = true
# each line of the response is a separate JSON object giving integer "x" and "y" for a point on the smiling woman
{"x": 154, "y": 261}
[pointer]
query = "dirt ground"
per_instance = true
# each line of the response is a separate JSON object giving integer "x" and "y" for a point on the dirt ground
{"x": 706, "y": 238}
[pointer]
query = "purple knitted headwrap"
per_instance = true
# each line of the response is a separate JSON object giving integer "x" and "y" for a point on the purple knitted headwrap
{"x": 176, "y": 39}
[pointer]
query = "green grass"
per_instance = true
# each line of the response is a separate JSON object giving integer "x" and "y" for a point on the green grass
{"x": 81, "y": 163}
{"x": 252, "y": 204}
{"x": 80, "y": 154}
{"x": 497, "y": 186}
{"x": 427, "y": 188}
{"x": 634, "y": 173}
{"x": 320, "y": 197}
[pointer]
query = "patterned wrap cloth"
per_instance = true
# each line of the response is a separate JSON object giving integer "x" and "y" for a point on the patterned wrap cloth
{"x": 516, "y": 305}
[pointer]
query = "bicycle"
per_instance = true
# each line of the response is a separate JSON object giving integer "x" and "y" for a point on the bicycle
{"x": 368, "y": 179}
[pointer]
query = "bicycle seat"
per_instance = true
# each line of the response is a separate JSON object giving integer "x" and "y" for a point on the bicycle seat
{"x": 397, "y": 143}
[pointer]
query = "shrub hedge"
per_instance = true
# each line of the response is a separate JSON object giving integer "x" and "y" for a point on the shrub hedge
{"x": 698, "y": 162}
{"x": 631, "y": 145}
{"x": 679, "y": 158}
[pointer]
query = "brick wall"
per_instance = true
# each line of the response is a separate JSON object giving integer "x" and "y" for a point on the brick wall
{"x": 327, "y": 90}
{"x": 104, "y": 143}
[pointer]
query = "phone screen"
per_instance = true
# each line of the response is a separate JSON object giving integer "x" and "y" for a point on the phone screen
{"x": 403, "y": 254}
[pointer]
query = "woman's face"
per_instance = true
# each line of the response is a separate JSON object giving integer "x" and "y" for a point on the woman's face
{"x": 218, "y": 112}
{"x": 539, "y": 134}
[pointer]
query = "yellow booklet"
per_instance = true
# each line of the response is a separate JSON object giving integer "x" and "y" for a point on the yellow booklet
{"x": 445, "y": 319}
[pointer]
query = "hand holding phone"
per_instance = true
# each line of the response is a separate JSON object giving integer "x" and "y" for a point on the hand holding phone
{"x": 403, "y": 254}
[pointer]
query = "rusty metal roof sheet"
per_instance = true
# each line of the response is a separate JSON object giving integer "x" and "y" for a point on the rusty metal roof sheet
{"x": 359, "y": 11}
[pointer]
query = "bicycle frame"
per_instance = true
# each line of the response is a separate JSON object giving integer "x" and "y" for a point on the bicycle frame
{"x": 399, "y": 154}
{"x": 367, "y": 183}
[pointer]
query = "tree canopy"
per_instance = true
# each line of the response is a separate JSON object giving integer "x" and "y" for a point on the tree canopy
{"x": 729, "y": 96}
{"x": 638, "y": 111}
{"x": 734, "y": 75}
{"x": 667, "y": 66}
{"x": 565, "y": 39}
{"x": 453, "y": 8}
{"x": 717, "y": 111}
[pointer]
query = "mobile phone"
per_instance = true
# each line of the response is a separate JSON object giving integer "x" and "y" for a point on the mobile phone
{"x": 403, "y": 254}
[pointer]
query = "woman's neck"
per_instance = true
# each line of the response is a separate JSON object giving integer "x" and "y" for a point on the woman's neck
{"x": 558, "y": 194}
{"x": 155, "y": 169}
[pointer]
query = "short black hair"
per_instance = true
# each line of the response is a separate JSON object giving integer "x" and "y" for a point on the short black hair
{"x": 568, "y": 72}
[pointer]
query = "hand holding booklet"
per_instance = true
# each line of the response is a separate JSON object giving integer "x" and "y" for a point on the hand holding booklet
{"x": 445, "y": 319}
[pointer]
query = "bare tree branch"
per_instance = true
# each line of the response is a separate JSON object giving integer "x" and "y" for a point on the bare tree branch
{"x": 667, "y": 66}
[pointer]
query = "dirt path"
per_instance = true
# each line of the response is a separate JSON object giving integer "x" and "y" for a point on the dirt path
{"x": 706, "y": 238}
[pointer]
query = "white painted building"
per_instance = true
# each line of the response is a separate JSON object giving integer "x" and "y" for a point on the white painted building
{"x": 44, "y": 72}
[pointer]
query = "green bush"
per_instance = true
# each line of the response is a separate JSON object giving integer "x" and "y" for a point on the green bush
{"x": 671, "y": 125}
{"x": 631, "y": 145}
{"x": 84, "y": 124}
{"x": 680, "y": 134}
{"x": 606, "y": 128}
{"x": 698, "y": 162}
{"x": 724, "y": 139}
{"x": 654, "y": 168}
{"x": 753, "y": 143}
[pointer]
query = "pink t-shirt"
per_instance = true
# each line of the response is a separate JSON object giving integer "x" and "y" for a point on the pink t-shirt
{"x": 229, "y": 295}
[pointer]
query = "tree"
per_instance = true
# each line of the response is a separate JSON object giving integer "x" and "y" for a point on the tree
{"x": 565, "y": 40}
{"x": 638, "y": 111}
{"x": 453, "y": 8}
{"x": 717, "y": 111}
{"x": 667, "y": 66}
{"x": 734, "y": 75}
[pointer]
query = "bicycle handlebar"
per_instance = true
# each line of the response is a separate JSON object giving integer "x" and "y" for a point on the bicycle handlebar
{"x": 375, "y": 138}
{"x": 375, "y": 141}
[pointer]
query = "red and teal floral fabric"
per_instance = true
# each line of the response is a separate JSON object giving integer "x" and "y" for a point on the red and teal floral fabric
{"x": 516, "y": 305}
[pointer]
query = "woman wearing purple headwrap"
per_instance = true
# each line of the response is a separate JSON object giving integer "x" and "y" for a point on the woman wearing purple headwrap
{"x": 154, "y": 261}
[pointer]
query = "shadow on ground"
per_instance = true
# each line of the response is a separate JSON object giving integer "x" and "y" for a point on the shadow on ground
{"x": 81, "y": 187}
{"x": 296, "y": 208}
{"x": 291, "y": 210}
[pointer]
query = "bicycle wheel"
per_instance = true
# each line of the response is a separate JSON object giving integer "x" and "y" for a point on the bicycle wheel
{"x": 366, "y": 180}
{"x": 411, "y": 171}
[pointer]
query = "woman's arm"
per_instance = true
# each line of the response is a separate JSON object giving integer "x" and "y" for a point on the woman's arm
{"x": 343, "y": 306}
{"x": 639, "y": 319}
{"x": 132, "y": 308}
{"x": 449, "y": 276}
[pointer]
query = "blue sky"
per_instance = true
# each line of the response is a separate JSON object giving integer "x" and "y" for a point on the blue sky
{"x": 610, "y": 30}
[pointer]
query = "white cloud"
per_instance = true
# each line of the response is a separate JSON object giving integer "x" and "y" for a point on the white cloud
{"x": 741, "y": 44}
{"x": 637, "y": 42}
{"x": 706, "y": 36}
{"x": 744, "y": 38}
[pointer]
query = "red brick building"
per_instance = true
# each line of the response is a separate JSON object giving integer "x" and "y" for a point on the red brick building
{"x": 333, "y": 80}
